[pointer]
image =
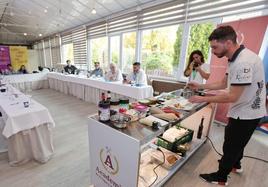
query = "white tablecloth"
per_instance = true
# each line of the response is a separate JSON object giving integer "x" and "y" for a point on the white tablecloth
{"x": 26, "y": 130}
{"x": 27, "y": 82}
{"x": 3, "y": 140}
{"x": 18, "y": 118}
{"x": 89, "y": 89}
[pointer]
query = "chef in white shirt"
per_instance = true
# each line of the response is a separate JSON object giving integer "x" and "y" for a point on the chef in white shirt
{"x": 137, "y": 76}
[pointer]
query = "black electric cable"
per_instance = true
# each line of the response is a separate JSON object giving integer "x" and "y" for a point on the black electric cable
{"x": 260, "y": 159}
{"x": 164, "y": 158}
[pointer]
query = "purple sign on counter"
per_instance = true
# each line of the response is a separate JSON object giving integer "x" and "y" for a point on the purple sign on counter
{"x": 4, "y": 57}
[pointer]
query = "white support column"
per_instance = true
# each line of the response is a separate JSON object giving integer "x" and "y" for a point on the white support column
{"x": 50, "y": 53}
{"x": 121, "y": 52}
{"x": 183, "y": 53}
{"x": 138, "y": 46}
{"x": 43, "y": 44}
{"x": 109, "y": 50}
{"x": 88, "y": 55}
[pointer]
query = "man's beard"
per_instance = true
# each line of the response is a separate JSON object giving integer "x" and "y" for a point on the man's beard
{"x": 222, "y": 54}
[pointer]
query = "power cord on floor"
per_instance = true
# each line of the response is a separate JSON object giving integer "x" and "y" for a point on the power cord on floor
{"x": 260, "y": 159}
{"x": 158, "y": 166}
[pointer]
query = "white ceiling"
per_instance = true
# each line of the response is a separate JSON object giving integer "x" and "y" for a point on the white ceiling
{"x": 28, "y": 16}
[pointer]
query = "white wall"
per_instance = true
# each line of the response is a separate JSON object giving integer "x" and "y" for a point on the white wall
{"x": 33, "y": 60}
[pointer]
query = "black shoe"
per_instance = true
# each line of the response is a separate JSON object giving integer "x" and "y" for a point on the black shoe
{"x": 214, "y": 178}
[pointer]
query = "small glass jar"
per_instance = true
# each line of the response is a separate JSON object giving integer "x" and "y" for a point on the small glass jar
{"x": 114, "y": 105}
{"x": 123, "y": 104}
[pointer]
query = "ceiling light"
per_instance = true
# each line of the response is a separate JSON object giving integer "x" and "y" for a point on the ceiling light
{"x": 45, "y": 10}
{"x": 11, "y": 14}
{"x": 25, "y": 34}
{"x": 93, "y": 11}
{"x": 40, "y": 35}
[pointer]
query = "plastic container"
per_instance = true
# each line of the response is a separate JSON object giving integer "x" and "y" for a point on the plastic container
{"x": 170, "y": 158}
{"x": 174, "y": 146}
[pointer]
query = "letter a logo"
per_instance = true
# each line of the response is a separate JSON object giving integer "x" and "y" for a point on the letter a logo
{"x": 108, "y": 162}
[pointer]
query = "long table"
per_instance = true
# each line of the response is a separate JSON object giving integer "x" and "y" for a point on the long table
{"x": 90, "y": 89}
{"x": 27, "y": 82}
{"x": 25, "y": 130}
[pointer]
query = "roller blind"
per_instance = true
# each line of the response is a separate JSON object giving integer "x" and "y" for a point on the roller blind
{"x": 47, "y": 53}
{"x": 66, "y": 38}
{"x": 39, "y": 47}
{"x": 97, "y": 30}
{"x": 175, "y": 12}
{"x": 55, "y": 50}
{"x": 79, "y": 40}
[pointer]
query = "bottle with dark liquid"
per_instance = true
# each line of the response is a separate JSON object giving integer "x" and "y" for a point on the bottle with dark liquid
{"x": 104, "y": 109}
{"x": 200, "y": 129}
{"x": 103, "y": 97}
{"x": 109, "y": 96}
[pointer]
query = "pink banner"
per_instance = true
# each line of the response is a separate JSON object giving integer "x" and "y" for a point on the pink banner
{"x": 4, "y": 57}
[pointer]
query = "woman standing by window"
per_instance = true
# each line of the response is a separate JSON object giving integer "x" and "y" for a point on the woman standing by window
{"x": 197, "y": 70}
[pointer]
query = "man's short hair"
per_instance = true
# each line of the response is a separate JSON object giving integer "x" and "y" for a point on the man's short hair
{"x": 136, "y": 64}
{"x": 68, "y": 61}
{"x": 97, "y": 62}
{"x": 223, "y": 33}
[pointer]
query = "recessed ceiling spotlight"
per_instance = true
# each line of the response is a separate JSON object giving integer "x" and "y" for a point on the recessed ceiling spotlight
{"x": 11, "y": 14}
{"x": 40, "y": 35}
{"x": 93, "y": 11}
{"x": 45, "y": 10}
{"x": 25, "y": 34}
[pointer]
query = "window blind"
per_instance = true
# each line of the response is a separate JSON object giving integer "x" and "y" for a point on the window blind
{"x": 55, "y": 50}
{"x": 47, "y": 53}
{"x": 79, "y": 39}
{"x": 174, "y": 12}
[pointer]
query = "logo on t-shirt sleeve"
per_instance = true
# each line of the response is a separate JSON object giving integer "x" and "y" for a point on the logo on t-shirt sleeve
{"x": 257, "y": 101}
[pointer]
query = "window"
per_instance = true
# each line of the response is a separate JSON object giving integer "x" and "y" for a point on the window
{"x": 115, "y": 49}
{"x": 129, "y": 47}
{"x": 99, "y": 51}
{"x": 161, "y": 50}
{"x": 198, "y": 39}
{"x": 67, "y": 53}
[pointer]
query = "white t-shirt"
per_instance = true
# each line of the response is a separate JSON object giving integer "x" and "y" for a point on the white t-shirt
{"x": 138, "y": 78}
{"x": 247, "y": 70}
{"x": 117, "y": 76}
{"x": 195, "y": 75}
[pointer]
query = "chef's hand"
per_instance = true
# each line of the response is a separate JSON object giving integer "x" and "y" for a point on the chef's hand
{"x": 193, "y": 85}
{"x": 196, "y": 99}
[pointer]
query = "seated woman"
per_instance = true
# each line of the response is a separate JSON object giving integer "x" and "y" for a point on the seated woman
{"x": 197, "y": 70}
{"x": 22, "y": 70}
{"x": 114, "y": 74}
{"x": 9, "y": 70}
